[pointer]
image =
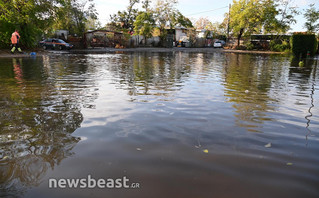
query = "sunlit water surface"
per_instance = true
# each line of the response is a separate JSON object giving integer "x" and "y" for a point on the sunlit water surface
{"x": 179, "y": 124}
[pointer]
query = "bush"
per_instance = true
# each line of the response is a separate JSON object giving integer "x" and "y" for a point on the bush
{"x": 250, "y": 46}
{"x": 241, "y": 47}
{"x": 301, "y": 44}
{"x": 278, "y": 45}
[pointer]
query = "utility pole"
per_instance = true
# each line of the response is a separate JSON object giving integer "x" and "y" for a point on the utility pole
{"x": 228, "y": 22}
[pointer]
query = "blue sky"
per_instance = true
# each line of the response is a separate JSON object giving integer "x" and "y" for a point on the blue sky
{"x": 190, "y": 8}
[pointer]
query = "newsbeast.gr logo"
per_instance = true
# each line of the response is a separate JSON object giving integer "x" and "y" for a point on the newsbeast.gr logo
{"x": 90, "y": 182}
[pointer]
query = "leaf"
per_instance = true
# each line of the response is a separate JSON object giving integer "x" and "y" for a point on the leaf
{"x": 205, "y": 151}
{"x": 289, "y": 164}
{"x": 268, "y": 145}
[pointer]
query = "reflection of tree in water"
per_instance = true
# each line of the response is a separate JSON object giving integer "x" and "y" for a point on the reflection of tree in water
{"x": 255, "y": 74}
{"x": 305, "y": 80}
{"x": 151, "y": 74}
{"x": 303, "y": 75}
{"x": 37, "y": 117}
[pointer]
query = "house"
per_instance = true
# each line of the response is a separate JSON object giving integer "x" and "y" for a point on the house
{"x": 180, "y": 33}
{"x": 102, "y": 38}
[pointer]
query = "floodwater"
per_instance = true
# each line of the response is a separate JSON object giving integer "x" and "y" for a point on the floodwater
{"x": 174, "y": 124}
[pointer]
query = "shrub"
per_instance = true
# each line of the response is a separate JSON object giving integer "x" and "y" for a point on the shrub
{"x": 278, "y": 45}
{"x": 250, "y": 46}
{"x": 301, "y": 44}
{"x": 241, "y": 47}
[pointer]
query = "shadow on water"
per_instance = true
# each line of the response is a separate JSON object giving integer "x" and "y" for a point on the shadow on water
{"x": 39, "y": 112}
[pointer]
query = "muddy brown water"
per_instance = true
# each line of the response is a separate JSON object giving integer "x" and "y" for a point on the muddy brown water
{"x": 176, "y": 124}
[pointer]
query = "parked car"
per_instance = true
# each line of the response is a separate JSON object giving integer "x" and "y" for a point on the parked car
{"x": 219, "y": 43}
{"x": 53, "y": 43}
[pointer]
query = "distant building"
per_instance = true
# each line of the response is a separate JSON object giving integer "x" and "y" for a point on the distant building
{"x": 102, "y": 38}
{"x": 62, "y": 34}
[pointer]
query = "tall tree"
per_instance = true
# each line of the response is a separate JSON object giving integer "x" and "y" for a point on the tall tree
{"x": 202, "y": 23}
{"x": 312, "y": 17}
{"x": 164, "y": 11}
{"x": 286, "y": 13}
{"x": 125, "y": 19}
{"x": 144, "y": 25}
{"x": 251, "y": 16}
{"x": 37, "y": 17}
{"x": 146, "y": 5}
{"x": 74, "y": 14}
{"x": 178, "y": 19}
{"x": 30, "y": 17}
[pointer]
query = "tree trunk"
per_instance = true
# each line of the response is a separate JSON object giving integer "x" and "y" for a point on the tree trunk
{"x": 239, "y": 36}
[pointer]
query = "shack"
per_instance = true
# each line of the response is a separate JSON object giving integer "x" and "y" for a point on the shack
{"x": 102, "y": 38}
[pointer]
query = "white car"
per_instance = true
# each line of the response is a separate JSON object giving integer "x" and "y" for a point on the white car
{"x": 218, "y": 44}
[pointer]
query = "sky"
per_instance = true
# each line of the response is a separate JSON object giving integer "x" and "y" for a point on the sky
{"x": 214, "y": 10}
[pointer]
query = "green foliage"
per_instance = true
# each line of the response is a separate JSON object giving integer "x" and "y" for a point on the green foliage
{"x": 250, "y": 46}
{"x": 125, "y": 19}
{"x": 251, "y": 16}
{"x": 312, "y": 17}
{"x": 278, "y": 45}
{"x": 144, "y": 24}
{"x": 261, "y": 16}
{"x": 164, "y": 13}
{"x": 35, "y": 18}
{"x": 73, "y": 16}
{"x": 178, "y": 19}
{"x": 285, "y": 16}
{"x": 29, "y": 17}
{"x": 301, "y": 44}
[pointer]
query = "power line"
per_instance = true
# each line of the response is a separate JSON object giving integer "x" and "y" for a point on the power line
{"x": 206, "y": 11}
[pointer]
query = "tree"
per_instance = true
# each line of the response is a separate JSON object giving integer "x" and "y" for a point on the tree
{"x": 202, "y": 23}
{"x": 252, "y": 16}
{"x": 167, "y": 15}
{"x": 125, "y": 19}
{"x": 218, "y": 28}
{"x": 92, "y": 24}
{"x": 146, "y": 5}
{"x": 144, "y": 24}
{"x": 285, "y": 16}
{"x": 74, "y": 14}
{"x": 30, "y": 17}
{"x": 164, "y": 11}
{"x": 34, "y": 18}
{"x": 178, "y": 19}
{"x": 312, "y": 17}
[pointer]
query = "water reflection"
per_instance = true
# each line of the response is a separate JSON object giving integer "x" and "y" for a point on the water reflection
{"x": 40, "y": 109}
{"x": 248, "y": 81}
{"x": 303, "y": 77}
{"x": 170, "y": 106}
{"x": 154, "y": 74}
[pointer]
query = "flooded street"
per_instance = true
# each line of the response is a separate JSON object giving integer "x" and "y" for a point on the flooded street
{"x": 176, "y": 124}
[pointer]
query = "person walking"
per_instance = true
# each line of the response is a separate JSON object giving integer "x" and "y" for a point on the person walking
{"x": 15, "y": 41}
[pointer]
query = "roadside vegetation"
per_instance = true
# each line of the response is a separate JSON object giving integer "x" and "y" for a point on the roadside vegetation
{"x": 37, "y": 18}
